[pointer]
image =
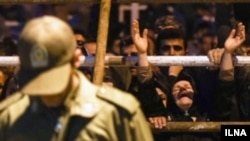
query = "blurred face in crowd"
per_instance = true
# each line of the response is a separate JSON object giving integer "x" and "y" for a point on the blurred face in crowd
{"x": 116, "y": 46}
{"x": 183, "y": 94}
{"x": 207, "y": 43}
{"x": 80, "y": 43}
{"x": 201, "y": 32}
{"x": 172, "y": 47}
{"x": 90, "y": 47}
{"x": 79, "y": 37}
{"x": 130, "y": 50}
{"x": 245, "y": 50}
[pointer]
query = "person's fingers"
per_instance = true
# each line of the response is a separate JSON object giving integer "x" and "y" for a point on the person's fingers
{"x": 237, "y": 39}
{"x": 218, "y": 55}
{"x": 232, "y": 33}
{"x": 145, "y": 33}
{"x": 169, "y": 118}
{"x": 215, "y": 56}
{"x": 151, "y": 120}
{"x": 161, "y": 122}
{"x": 240, "y": 35}
{"x": 239, "y": 27}
{"x": 210, "y": 56}
{"x": 158, "y": 122}
{"x": 243, "y": 33}
{"x": 164, "y": 121}
{"x": 215, "y": 61}
{"x": 154, "y": 122}
{"x": 135, "y": 27}
{"x": 137, "y": 24}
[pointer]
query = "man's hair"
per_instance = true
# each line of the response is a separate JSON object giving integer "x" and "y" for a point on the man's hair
{"x": 169, "y": 34}
{"x": 126, "y": 41}
{"x": 10, "y": 46}
{"x": 167, "y": 21}
{"x": 202, "y": 25}
{"x": 79, "y": 31}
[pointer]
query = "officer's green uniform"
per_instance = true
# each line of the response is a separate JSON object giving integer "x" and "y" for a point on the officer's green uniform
{"x": 92, "y": 113}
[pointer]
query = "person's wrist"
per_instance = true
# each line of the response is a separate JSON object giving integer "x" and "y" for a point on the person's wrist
{"x": 229, "y": 54}
{"x": 142, "y": 53}
{"x": 228, "y": 51}
{"x": 173, "y": 74}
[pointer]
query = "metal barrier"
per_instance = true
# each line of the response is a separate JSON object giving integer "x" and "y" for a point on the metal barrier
{"x": 128, "y": 61}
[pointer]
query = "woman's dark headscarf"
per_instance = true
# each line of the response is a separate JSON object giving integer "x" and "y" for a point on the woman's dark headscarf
{"x": 172, "y": 107}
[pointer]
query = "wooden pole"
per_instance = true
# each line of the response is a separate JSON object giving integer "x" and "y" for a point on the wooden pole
{"x": 101, "y": 41}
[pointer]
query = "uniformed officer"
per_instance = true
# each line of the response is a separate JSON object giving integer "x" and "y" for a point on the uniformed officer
{"x": 56, "y": 102}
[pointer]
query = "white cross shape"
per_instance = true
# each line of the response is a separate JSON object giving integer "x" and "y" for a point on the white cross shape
{"x": 135, "y": 11}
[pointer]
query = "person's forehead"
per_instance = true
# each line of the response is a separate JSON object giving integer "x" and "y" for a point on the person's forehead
{"x": 90, "y": 45}
{"x": 80, "y": 37}
{"x": 173, "y": 42}
{"x": 129, "y": 48}
{"x": 182, "y": 82}
{"x": 245, "y": 48}
{"x": 207, "y": 38}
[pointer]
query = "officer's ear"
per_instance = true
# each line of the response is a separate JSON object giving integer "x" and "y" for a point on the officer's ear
{"x": 76, "y": 58}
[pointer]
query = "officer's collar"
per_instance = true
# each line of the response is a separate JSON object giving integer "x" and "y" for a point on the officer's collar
{"x": 37, "y": 106}
{"x": 85, "y": 103}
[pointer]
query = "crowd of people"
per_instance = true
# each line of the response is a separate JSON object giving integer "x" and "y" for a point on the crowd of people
{"x": 51, "y": 97}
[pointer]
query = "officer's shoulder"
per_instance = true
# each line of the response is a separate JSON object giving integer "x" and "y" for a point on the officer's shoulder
{"x": 118, "y": 98}
{"x": 14, "y": 98}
